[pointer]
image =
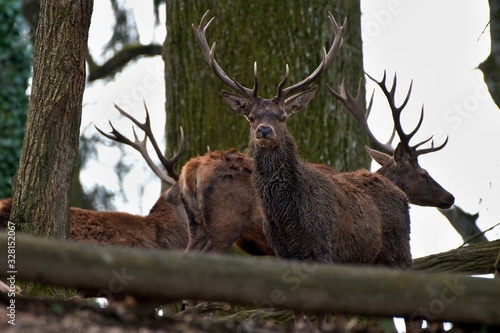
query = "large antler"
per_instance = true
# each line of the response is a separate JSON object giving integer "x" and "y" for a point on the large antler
{"x": 355, "y": 106}
{"x": 327, "y": 60}
{"x": 209, "y": 54}
{"x": 170, "y": 176}
{"x": 357, "y": 109}
{"x": 396, "y": 115}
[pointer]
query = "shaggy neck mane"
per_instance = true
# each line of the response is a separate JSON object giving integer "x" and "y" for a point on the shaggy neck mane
{"x": 277, "y": 178}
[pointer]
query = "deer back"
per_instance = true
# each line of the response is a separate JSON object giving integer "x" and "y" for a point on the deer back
{"x": 392, "y": 206}
{"x": 110, "y": 228}
{"x": 218, "y": 196}
{"x": 164, "y": 228}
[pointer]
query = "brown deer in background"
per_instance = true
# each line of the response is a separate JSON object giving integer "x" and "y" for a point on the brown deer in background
{"x": 312, "y": 213}
{"x": 402, "y": 168}
{"x": 164, "y": 227}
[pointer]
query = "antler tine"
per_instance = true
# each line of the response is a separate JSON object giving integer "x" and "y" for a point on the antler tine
{"x": 327, "y": 59}
{"x": 356, "y": 108}
{"x": 412, "y": 133}
{"x": 416, "y": 153}
{"x": 140, "y": 146}
{"x": 209, "y": 54}
{"x": 170, "y": 176}
{"x": 396, "y": 113}
{"x": 413, "y": 150}
{"x": 283, "y": 81}
{"x": 167, "y": 163}
{"x": 396, "y": 110}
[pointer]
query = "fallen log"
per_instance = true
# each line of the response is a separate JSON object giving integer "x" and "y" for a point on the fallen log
{"x": 474, "y": 259}
{"x": 264, "y": 282}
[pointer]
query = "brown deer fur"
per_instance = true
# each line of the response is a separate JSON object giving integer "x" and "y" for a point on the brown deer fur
{"x": 312, "y": 214}
{"x": 413, "y": 180}
{"x": 316, "y": 215}
{"x": 163, "y": 228}
{"x": 219, "y": 198}
{"x": 405, "y": 172}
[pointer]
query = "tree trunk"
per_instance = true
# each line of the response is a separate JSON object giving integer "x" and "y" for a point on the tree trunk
{"x": 272, "y": 34}
{"x": 42, "y": 184}
{"x": 262, "y": 282}
{"x": 472, "y": 259}
{"x": 491, "y": 66}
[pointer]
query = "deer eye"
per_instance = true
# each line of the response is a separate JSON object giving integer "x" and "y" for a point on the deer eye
{"x": 251, "y": 119}
{"x": 424, "y": 175}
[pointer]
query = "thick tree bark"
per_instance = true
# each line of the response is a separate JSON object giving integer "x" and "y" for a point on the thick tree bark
{"x": 490, "y": 67}
{"x": 172, "y": 276}
{"x": 42, "y": 184}
{"x": 472, "y": 259}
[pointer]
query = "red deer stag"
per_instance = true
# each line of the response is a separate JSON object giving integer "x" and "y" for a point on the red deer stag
{"x": 402, "y": 168}
{"x": 312, "y": 213}
{"x": 163, "y": 228}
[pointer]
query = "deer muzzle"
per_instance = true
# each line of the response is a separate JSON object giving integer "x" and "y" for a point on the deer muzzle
{"x": 265, "y": 135}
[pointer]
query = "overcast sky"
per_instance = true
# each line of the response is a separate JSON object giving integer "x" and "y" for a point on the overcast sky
{"x": 437, "y": 44}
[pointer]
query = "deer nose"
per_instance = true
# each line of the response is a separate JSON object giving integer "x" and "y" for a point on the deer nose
{"x": 448, "y": 201}
{"x": 264, "y": 131}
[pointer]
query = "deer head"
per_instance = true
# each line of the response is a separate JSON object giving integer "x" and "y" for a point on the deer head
{"x": 267, "y": 117}
{"x": 401, "y": 167}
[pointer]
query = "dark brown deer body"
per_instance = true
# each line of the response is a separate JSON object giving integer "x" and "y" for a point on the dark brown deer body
{"x": 317, "y": 215}
{"x": 311, "y": 213}
{"x": 164, "y": 227}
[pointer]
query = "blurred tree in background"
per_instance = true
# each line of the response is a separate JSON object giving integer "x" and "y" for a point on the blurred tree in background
{"x": 15, "y": 62}
{"x": 273, "y": 35}
{"x": 491, "y": 66}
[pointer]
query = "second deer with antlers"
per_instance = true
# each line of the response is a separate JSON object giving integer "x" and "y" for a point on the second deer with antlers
{"x": 314, "y": 213}
{"x": 402, "y": 168}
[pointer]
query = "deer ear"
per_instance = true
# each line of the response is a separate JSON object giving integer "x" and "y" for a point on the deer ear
{"x": 379, "y": 157}
{"x": 299, "y": 101}
{"x": 236, "y": 103}
{"x": 400, "y": 154}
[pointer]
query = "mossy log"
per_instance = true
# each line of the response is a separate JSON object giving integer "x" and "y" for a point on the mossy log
{"x": 471, "y": 259}
{"x": 263, "y": 282}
